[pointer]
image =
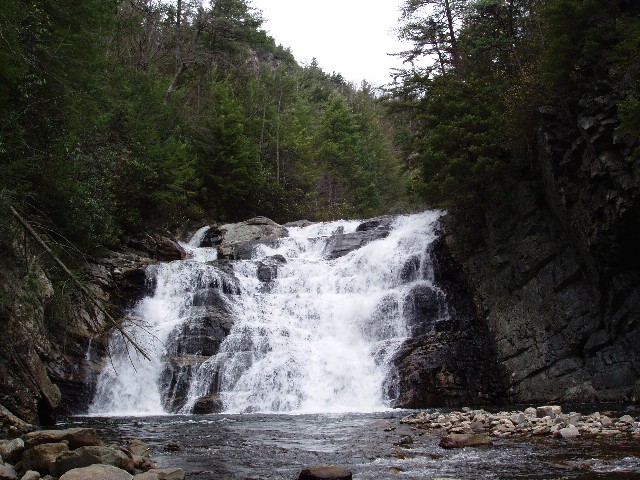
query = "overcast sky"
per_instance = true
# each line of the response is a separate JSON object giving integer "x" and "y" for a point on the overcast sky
{"x": 351, "y": 37}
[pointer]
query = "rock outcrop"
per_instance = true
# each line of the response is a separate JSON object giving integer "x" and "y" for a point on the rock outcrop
{"x": 56, "y": 340}
{"x": 449, "y": 361}
{"x": 118, "y": 280}
{"x": 558, "y": 280}
{"x": 236, "y": 241}
{"x": 198, "y": 338}
{"x": 342, "y": 243}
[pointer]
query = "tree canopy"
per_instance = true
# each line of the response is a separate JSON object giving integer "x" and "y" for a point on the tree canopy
{"x": 476, "y": 76}
{"x": 118, "y": 116}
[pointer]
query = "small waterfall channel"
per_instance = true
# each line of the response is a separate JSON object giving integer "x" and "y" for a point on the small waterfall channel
{"x": 309, "y": 324}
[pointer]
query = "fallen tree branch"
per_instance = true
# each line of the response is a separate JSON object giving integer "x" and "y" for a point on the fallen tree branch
{"x": 77, "y": 282}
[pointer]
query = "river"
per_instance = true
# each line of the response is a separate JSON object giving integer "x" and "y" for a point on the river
{"x": 278, "y": 446}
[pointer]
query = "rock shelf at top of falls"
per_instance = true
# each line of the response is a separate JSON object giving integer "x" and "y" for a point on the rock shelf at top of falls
{"x": 323, "y": 317}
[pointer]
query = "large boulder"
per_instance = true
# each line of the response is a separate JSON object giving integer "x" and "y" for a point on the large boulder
{"x": 75, "y": 437}
{"x": 86, "y": 456}
{"x": 97, "y": 472}
{"x": 268, "y": 268}
{"x": 139, "y": 448}
{"x": 461, "y": 440}
{"x": 11, "y": 450}
{"x": 340, "y": 244}
{"x": 208, "y": 404}
{"x": 239, "y": 239}
{"x": 7, "y": 472}
{"x": 41, "y": 456}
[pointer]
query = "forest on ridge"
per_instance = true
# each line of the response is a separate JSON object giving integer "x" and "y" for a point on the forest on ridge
{"x": 119, "y": 116}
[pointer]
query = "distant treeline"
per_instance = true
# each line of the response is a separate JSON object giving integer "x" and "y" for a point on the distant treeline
{"x": 122, "y": 115}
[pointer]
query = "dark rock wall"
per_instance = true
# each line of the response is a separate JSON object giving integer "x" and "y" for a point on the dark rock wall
{"x": 450, "y": 360}
{"x": 55, "y": 341}
{"x": 558, "y": 280}
{"x": 44, "y": 365}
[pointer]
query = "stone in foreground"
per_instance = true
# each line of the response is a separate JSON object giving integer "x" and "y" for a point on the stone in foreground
{"x": 7, "y": 472}
{"x": 31, "y": 475}
{"x": 86, "y": 456}
{"x": 456, "y": 440}
{"x": 569, "y": 432}
{"x": 168, "y": 473}
{"x": 548, "y": 410}
{"x": 97, "y": 472}
{"x": 139, "y": 448}
{"x": 325, "y": 472}
{"x": 11, "y": 450}
{"x": 40, "y": 457}
{"x": 77, "y": 437}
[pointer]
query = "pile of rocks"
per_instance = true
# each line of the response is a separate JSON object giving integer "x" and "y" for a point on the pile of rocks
{"x": 77, "y": 454}
{"x": 545, "y": 420}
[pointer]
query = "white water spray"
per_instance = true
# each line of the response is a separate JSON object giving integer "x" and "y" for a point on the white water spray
{"x": 317, "y": 338}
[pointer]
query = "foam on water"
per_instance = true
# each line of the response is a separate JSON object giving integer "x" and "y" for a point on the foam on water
{"x": 318, "y": 338}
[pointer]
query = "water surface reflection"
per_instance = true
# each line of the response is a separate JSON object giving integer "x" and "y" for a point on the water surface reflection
{"x": 276, "y": 447}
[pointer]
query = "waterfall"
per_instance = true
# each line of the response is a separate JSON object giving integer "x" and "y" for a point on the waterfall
{"x": 312, "y": 331}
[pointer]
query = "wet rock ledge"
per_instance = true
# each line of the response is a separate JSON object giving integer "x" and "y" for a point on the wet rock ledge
{"x": 545, "y": 420}
{"x": 78, "y": 454}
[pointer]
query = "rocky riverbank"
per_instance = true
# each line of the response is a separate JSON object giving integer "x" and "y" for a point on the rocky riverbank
{"x": 546, "y": 420}
{"x": 78, "y": 454}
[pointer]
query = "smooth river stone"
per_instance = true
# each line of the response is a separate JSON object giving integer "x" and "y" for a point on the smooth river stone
{"x": 325, "y": 472}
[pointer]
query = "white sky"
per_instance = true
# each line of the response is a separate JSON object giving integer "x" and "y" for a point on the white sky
{"x": 351, "y": 37}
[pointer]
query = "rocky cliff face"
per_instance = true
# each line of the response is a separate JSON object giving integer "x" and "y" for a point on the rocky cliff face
{"x": 54, "y": 340}
{"x": 558, "y": 280}
{"x": 449, "y": 362}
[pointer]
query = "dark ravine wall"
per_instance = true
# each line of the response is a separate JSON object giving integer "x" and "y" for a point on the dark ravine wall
{"x": 558, "y": 278}
{"x": 450, "y": 362}
{"x": 54, "y": 347}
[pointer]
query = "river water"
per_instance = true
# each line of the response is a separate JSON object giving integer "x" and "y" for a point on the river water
{"x": 278, "y": 446}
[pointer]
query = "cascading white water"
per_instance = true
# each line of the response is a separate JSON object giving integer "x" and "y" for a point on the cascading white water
{"x": 317, "y": 338}
{"x": 129, "y": 385}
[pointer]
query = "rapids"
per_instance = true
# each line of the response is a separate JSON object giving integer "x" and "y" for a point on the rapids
{"x": 317, "y": 338}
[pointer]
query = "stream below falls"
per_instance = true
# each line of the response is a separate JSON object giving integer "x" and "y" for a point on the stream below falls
{"x": 278, "y": 446}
